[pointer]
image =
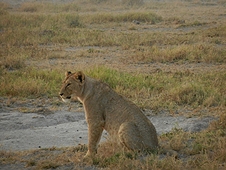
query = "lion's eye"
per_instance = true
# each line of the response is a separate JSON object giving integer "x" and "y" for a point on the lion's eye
{"x": 68, "y": 85}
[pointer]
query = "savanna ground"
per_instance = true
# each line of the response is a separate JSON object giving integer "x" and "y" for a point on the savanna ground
{"x": 162, "y": 55}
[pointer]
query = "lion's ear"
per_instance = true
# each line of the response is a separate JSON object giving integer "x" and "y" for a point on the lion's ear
{"x": 80, "y": 76}
{"x": 67, "y": 73}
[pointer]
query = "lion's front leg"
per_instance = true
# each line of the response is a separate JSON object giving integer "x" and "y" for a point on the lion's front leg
{"x": 95, "y": 130}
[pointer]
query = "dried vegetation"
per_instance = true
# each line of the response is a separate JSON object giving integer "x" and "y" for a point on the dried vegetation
{"x": 41, "y": 40}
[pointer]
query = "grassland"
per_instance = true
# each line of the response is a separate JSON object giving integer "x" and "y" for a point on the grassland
{"x": 174, "y": 59}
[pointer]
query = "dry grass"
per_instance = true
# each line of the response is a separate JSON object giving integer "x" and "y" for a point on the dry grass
{"x": 33, "y": 55}
{"x": 142, "y": 16}
{"x": 203, "y": 150}
{"x": 181, "y": 53}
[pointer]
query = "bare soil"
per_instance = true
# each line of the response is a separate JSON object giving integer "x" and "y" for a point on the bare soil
{"x": 47, "y": 123}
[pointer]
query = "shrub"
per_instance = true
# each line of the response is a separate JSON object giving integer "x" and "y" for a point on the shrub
{"x": 74, "y": 21}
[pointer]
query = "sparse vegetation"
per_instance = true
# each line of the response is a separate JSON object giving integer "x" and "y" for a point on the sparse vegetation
{"x": 107, "y": 17}
{"x": 200, "y": 150}
{"x": 39, "y": 41}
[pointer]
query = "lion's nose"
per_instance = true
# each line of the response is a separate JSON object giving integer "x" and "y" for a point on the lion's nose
{"x": 61, "y": 94}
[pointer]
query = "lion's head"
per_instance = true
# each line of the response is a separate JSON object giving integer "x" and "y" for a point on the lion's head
{"x": 72, "y": 85}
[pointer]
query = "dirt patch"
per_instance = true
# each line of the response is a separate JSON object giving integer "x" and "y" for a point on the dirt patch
{"x": 44, "y": 134}
{"x": 26, "y": 125}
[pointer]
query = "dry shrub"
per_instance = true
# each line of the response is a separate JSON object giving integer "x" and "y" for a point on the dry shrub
{"x": 74, "y": 21}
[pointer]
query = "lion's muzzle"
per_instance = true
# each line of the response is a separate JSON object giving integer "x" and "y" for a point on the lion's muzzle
{"x": 65, "y": 99}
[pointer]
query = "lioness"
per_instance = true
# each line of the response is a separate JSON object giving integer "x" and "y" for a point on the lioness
{"x": 105, "y": 109}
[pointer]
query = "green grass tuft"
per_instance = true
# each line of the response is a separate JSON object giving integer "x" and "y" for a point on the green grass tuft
{"x": 30, "y": 83}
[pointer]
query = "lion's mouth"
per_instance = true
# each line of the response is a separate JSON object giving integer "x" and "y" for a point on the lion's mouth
{"x": 66, "y": 100}
{"x": 62, "y": 96}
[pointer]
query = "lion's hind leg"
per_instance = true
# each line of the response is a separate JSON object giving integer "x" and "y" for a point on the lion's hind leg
{"x": 130, "y": 137}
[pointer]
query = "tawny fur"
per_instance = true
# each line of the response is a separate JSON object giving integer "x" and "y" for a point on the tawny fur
{"x": 105, "y": 109}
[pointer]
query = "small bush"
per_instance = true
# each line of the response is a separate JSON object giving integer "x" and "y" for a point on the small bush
{"x": 74, "y": 21}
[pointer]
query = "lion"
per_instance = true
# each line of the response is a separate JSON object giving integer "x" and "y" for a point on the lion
{"x": 107, "y": 110}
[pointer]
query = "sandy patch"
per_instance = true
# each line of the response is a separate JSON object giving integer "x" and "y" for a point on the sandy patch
{"x": 61, "y": 128}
